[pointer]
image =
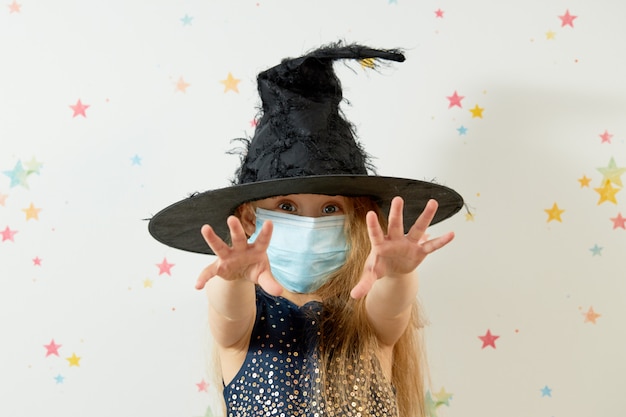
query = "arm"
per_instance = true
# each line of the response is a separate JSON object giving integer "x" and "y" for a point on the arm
{"x": 389, "y": 278}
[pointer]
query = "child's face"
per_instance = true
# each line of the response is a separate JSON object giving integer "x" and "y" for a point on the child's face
{"x": 308, "y": 205}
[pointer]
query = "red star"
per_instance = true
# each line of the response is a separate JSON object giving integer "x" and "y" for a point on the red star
{"x": 439, "y": 13}
{"x": 164, "y": 267}
{"x": 455, "y": 100}
{"x": 606, "y": 137}
{"x": 203, "y": 386}
{"x": 52, "y": 348}
{"x": 619, "y": 221}
{"x": 489, "y": 339}
{"x": 567, "y": 19}
{"x": 79, "y": 109}
{"x": 37, "y": 261}
{"x": 7, "y": 234}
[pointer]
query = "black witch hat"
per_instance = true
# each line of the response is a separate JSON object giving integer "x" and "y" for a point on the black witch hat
{"x": 302, "y": 145}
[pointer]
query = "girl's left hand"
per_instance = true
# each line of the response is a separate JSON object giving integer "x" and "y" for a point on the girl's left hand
{"x": 396, "y": 254}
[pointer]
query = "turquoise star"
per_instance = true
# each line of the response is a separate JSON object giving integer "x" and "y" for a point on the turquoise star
{"x": 59, "y": 379}
{"x": 546, "y": 391}
{"x": 18, "y": 175}
{"x": 136, "y": 160}
{"x": 596, "y": 250}
{"x": 462, "y": 130}
{"x": 186, "y": 20}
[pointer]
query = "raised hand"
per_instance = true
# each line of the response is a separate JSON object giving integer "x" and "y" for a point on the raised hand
{"x": 240, "y": 260}
{"x": 396, "y": 254}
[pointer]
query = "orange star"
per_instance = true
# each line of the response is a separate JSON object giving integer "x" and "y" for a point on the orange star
{"x": 181, "y": 85}
{"x": 14, "y": 7}
{"x": 591, "y": 316}
{"x": 230, "y": 83}
{"x": 554, "y": 213}
{"x": 32, "y": 212}
{"x": 584, "y": 181}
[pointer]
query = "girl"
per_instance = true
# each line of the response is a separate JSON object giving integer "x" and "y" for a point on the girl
{"x": 312, "y": 297}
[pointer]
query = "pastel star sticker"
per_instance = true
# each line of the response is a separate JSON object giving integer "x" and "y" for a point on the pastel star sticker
{"x": 550, "y": 35}
{"x": 165, "y": 267}
{"x": 439, "y": 13}
{"x": 147, "y": 283}
{"x": 230, "y": 83}
{"x": 612, "y": 172}
{"x": 455, "y": 100}
{"x": 33, "y": 166}
{"x": 462, "y": 130}
{"x": 554, "y": 213}
{"x": 32, "y": 212}
{"x": 443, "y": 397}
{"x": 567, "y": 19}
{"x": 606, "y": 137}
{"x": 136, "y": 160}
{"x": 3, "y": 199}
{"x": 596, "y": 250}
{"x": 619, "y": 221}
{"x": 52, "y": 348}
{"x": 584, "y": 181}
{"x": 469, "y": 217}
{"x": 14, "y": 7}
{"x": 186, "y": 19}
{"x": 181, "y": 85}
{"x": 59, "y": 379}
{"x": 477, "y": 112}
{"x": 79, "y": 109}
{"x": 591, "y": 316}
{"x": 36, "y": 261}
{"x": 8, "y": 234}
{"x": 546, "y": 391}
{"x": 488, "y": 339}
{"x": 18, "y": 175}
{"x": 74, "y": 360}
{"x": 607, "y": 193}
{"x": 202, "y": 386}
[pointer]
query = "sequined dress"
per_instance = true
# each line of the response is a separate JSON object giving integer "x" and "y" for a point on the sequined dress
{"x": 279, "y": 373}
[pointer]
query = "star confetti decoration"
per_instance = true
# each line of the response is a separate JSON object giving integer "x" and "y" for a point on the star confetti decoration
{"x": 606, "y": 137}
{"x": 74, "y": 360}
{"x": 32, "y": 212}
{"x": 567, "y": 19}
{"x": 79, "y": 109}
{"x": 488, "y": 339}
{"x": 607, "y": 193}
{"x": 455, "y": 100}
{"x": 546, "y": 391}
{"x": 186, "y": 19}
{"x": 3, "y": 199}
{"x": 18, "y": 175}
{"x": 462, "y": 130}
{"x": 596, "y": 250}
{"x": 612, "y": 172}
{"x": 203, "y": 386}
{"x": 550, "y": 35}
{"x": 443, "y": 397}
{"x": 14, "y": 7}
{"x": 477, "y": 112}
{"x": 165, "y": 267}
{"x": 52, "y": 348}
{"x": 181, "y": 85}
{"x": 469, "y": 217}
{"x": 619, "y": 221}
{"x": 439, "y": 13}
{"x": 8, "y": 234}
{"x": 135, "y": 160}
{"x": 584, "y": 181}
{"x": 554, "y": 213}
{"x": 33, "y": 166}
{"x": 230, "y": 83}
{"x": 59, "y": 379}
{"x": 147, "y": 283}
{"x": 591, "y": 316}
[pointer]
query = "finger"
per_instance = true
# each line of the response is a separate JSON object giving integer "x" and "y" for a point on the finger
{"x": 206, "y": 274}
{"x": 269, "y": 284}
{"x": 423, "y": 221}
{"x": 395, "y": 227}
{"x": 237, "y": 234}
{"x": 437, "y": 243}
{"x": 364, "y": 285}
{"x": 265, "y": 235}
{"x": 374, "y": 231}
{"x": 217, "y": 245}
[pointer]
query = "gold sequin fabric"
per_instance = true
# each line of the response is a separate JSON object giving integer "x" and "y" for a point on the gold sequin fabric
{"x": 280, "y": 375}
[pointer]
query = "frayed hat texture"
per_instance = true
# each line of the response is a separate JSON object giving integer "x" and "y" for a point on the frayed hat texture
{"x": 302, "y": 144}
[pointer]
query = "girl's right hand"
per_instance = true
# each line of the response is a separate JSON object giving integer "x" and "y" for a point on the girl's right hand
{"x": 241, "y": 260}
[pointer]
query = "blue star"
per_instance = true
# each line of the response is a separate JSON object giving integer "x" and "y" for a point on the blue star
{"x": 59, "y": 379}
{"x": 462, "y": 130}
{"x": 546, "y": 391}
{"x": 596, "y": 250}
{"x": 186, "y": 20}
{"x": 136, "y": 160}
{"x": 18, "y": 175}
{"x": 393, "y": 1}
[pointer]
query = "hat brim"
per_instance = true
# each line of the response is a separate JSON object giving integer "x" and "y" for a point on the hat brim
{"x": 179, "y": 225}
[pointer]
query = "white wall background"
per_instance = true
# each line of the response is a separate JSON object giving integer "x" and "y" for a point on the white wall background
{"x": 78, "y": 268}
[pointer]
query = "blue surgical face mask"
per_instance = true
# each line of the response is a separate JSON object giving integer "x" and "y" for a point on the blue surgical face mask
{"x": 303, "y": 251}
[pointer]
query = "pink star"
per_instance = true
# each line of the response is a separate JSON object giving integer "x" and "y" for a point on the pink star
{"x": 567, "y": 19}
{"x": 489, "y": 339}
{"x": 52, "y": 348}
{"x": 606, "y": 137}
{"x": 203, "y": 386}
{"x": 164, "y": 267}
{"x": 14, "y": 7}
{"x": 79, "y": 109}
{"x": 619, "y": 221}
{"x": 7, "y": 234}
{"x": 439, "y": 13}
{"x": 455, "y": 100}
{"x": 37, "y": 261}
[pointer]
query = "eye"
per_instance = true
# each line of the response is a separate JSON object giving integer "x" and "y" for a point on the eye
{"x": 286, "y": 206}
{"x": 331, "y": 209}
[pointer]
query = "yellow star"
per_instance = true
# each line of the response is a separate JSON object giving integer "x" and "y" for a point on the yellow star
{"x": 230, "y": 83}
{"x": 368, "y": 63}
{"x": 181, "y": 85}
{"x": 477, "y": 111}
{"x": 554, "y": 213}
{"x": 550, "y": 35}
{"x": 469, "y": 217}
{"x": 591, "y": 316}
{"x": 612, "y": 172}
{"x": 584, "y": 181}
{"x": 73, "y": 360}
{"x": 607, "y": 193}
{"x": 443, "y": 397}
{"x": 32, "y": 212}
{"x": 147, "y": 283}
